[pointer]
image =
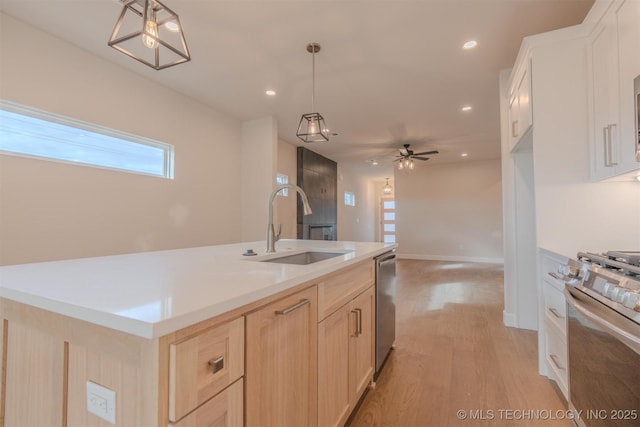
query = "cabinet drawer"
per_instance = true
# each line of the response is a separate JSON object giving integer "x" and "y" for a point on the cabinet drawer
{"x": 336, "y": 290}
{"x": 555, "y": 307}
{"x": 224, "y": 410}
{"x": 203, "y": 365}
{"x": 557, "y": 354}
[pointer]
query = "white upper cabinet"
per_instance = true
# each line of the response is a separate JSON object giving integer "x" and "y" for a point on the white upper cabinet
{"x": 615, "y": 62}
{"x": 520, "y": 116}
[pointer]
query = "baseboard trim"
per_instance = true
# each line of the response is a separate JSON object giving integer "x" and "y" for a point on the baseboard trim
{"x": 451, "y": 258}
{"x": 509, "y": 319}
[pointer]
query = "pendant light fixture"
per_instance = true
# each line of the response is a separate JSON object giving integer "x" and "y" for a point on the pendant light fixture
{"x": 312, "y": 127}
{"x": 387, "y": 188}
{"x": 151, "y": 33}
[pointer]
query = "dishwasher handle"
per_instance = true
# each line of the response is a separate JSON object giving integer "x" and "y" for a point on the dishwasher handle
{"x": 386, "y": 257}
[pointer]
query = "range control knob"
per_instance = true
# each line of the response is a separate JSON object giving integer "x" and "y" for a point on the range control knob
{"x": 608, "y": 289}
{"x": 631, "y": 300}
{"x": 618, "y": 294}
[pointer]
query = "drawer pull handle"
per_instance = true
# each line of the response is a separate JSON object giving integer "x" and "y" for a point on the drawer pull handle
{"x": 554, "y": 359}
{"x": 556, "y": 276}
{"x": 294, "y": 307}
{"x": 217, "y": 364}
{"x": 556, "y": 313}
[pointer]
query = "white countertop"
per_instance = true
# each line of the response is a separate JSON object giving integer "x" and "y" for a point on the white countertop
{"x": 152, "y": 294}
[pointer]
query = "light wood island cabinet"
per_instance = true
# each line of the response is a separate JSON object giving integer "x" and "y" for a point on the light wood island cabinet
{"x": 345, "y": 342}
{"x": 254, "y": 365}
{"x": 281, "y": 381}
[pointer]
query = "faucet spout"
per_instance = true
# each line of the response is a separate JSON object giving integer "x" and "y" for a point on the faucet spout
{"x": 272, "y": 237}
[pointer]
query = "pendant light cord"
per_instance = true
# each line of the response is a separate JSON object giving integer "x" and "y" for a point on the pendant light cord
{"x": 313, "y": 78}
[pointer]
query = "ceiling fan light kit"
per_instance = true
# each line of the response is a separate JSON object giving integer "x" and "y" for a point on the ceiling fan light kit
{"x": 151, "y": 33}
{"x": 312, "y": 127}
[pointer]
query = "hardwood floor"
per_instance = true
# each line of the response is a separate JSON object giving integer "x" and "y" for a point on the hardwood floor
{"x": 453, "y": 353}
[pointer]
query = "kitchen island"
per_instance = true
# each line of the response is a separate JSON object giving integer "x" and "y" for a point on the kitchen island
{"x": 171, "y": 332}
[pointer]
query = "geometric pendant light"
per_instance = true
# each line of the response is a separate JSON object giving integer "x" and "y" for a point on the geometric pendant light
{"x": 151, "y": 33}
{"x": 387, "y": 188}
{"x": 311, "y": 127}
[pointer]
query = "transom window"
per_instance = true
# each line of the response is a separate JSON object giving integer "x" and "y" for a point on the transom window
{"x": 26, "y": 131}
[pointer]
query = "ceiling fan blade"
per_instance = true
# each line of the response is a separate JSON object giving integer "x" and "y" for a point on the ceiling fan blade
{"x": 420, "y": 158}
{"x": 426, "y": 152}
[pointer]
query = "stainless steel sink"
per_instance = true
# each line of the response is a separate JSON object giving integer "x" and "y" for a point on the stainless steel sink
{"x": 303, "y": 258}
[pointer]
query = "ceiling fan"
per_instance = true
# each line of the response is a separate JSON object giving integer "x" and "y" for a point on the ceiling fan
{"x": 407, "y": 154}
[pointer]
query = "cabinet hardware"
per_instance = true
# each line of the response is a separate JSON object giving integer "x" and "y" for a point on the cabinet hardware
{"x": 358, "y": 313}
{"x": 612, "y": 155}
{"x": 355, "y": 332}
{"x": 216, "y": 364}
{"x": 608, "y": 146}
{"x": 514, "y": 127}
{"x": 556, "y": 313}
{"x": 556, "y": 276}
{"x": 294, "y": 307}
{"x": 605, "y": 144}
{"x": 554, "y": 359}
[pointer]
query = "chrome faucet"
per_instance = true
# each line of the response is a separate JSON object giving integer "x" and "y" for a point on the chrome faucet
{"x": 272, "y": 236}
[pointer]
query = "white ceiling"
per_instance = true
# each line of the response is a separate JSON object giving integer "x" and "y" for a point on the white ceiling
{"x": 389, "y": 72}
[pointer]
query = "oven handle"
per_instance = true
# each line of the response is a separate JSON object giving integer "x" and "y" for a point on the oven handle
{"x": 623, "y": 336}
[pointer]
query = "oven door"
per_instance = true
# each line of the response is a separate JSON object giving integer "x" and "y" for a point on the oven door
{"x": 604, "y": 363}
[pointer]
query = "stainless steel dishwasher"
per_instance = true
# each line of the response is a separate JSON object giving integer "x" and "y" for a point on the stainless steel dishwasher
{"x": 385, "y": 307}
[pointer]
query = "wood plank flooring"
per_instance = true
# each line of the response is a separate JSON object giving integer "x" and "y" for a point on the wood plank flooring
{"x": 453, "y": 353}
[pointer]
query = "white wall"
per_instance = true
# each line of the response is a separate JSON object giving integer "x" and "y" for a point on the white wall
{"x": 51, "y": 210}
{"x": 450, "y": 212}
{"x": 356, "y": 223}
{"x": 285, "y": 212}
{"x": 258, "y": 162}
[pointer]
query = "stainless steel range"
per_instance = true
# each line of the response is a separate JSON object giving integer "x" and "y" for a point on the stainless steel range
{"x": 603, "y": 337}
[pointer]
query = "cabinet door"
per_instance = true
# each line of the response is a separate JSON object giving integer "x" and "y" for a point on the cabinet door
{"x": 514, "y": 112}
{"x": 604, "y": 66}
{"x": 525, "y": 119}
{"x": 281, "y": 362}
{"x": 361, "y": 350}
{"x": 628, "y": 25}
{"x": 333, "y": 369}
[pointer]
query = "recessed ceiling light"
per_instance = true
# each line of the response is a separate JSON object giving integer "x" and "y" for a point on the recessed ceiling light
{"x": 270, "y": 92}
{"x": 172, "y": 26}
{"x": 638, "y": 178}
{"x": 466, "y": 108}
{"x": 470, "y": 44}
{"x": 374, "y": 162}
{"x": 464, "y": 154}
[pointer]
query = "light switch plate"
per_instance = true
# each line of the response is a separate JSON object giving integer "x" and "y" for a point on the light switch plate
{"x": 101, "y": 402}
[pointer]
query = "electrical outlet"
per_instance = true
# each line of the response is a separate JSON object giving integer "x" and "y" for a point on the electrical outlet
{"x": 101, "y": 402}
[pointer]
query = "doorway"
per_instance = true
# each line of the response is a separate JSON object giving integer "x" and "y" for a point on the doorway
{"x": 388, "y": 219}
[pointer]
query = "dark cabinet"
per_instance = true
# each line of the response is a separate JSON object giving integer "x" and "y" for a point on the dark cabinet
{"x": 318, "y": 177}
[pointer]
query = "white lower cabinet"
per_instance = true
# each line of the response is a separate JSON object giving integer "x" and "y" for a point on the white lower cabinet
{"x": 552, "y": 332}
